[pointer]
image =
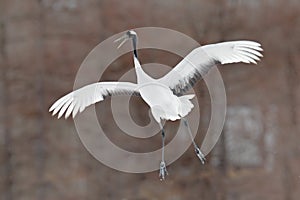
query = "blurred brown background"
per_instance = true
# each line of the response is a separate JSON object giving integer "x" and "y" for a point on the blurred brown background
{"x": 42, "y": 44}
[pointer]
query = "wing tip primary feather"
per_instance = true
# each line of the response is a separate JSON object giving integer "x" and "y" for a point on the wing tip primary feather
{"x": 244, "y": 51}
{"x": 51, "y": 108}
{"x": 250, "y": 50}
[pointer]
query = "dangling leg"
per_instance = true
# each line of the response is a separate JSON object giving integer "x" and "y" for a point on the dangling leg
{"x": 162, "y": 167}
{"x": 197, "y": 149}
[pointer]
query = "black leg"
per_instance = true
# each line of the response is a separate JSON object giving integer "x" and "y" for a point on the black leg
{"x": 197, "y": 149}
{"x": 162, "y": 167}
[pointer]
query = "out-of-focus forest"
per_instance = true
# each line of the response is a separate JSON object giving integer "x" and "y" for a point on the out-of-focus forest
{"x": 42, "y": 44}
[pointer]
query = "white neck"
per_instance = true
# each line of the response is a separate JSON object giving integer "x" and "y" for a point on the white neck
{"x": 142, "y": 77}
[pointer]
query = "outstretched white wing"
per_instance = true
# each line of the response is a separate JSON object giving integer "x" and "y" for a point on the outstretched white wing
{"x": 79, "y": 99}
{"x": 197, "y": 63}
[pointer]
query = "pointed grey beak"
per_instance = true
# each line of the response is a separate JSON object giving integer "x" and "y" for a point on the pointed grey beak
{"x": 123, "y": 39}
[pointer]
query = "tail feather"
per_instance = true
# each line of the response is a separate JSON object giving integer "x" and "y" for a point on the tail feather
{"x": 186, "y": 104}
{"x": 164, "y": 112}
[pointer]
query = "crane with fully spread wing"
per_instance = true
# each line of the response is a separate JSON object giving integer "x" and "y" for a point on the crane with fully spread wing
{"x": 165, "y": 96}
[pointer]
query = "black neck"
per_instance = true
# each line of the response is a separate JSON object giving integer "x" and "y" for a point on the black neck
{"x": 134, "y": 41}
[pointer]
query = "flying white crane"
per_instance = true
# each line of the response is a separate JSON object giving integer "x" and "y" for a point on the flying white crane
{"x": 165, "y": 96}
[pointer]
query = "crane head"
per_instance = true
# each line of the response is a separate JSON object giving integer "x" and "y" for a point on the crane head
{"x": 128, "y": 35}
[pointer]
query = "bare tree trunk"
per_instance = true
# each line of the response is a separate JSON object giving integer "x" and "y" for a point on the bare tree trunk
{"x": 40, "y": 143}
{"x": 5, "y": 99}
{"x": 291, "y": 77}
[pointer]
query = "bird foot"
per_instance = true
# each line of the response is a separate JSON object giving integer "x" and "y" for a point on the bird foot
{"x": 162, "y": 170}
{"x": 200, "y": 155}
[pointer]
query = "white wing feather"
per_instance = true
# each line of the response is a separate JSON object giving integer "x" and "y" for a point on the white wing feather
{"x": 197, "y": 63}
{"x": 79, "y": 99}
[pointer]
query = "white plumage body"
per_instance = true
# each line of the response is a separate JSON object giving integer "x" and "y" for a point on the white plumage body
{"x": 163, "y": 103}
